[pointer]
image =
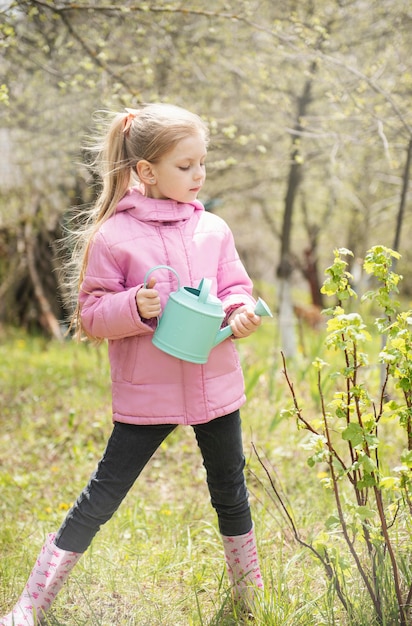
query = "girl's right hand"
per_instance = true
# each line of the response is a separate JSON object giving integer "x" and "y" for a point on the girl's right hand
{"x": 148, "y": 301}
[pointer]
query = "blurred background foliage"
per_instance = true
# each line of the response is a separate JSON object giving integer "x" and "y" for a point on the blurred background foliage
{"x": 308, "y": 103}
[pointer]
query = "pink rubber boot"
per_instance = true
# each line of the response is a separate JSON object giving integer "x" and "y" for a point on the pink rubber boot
{"x": 243, "y": 565}
{"x": 48, "y": 576}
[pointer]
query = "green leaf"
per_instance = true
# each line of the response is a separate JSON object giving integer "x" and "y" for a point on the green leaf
{"x": 406, "y": 458}
{"x": 368, "y": 480}
{"x": 365, "y": 513}
{"x": 332, "y": 522}
{"x": 4, "y": 94}
{"x": 388, "y": 482}
{"x": 353, "y": 433}
{"x": 367, "y": 463}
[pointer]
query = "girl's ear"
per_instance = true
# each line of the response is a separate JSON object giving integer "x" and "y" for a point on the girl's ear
{"x": 145, "y": 173}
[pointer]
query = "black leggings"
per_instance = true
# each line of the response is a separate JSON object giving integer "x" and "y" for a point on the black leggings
{"x": 130, "y": 448}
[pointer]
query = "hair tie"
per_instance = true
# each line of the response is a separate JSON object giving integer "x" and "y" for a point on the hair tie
{"x": 127, "y": 122}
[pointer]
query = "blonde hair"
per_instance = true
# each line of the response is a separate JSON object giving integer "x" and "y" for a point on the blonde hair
{"x": 145, "y": 134}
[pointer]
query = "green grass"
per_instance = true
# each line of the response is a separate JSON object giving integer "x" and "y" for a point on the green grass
{"x": 159, "y": 561}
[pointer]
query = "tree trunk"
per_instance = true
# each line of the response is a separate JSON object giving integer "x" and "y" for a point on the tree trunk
{"x": 31, "y": 295}
{"x": 47, "y": 318}
{"x": 286, "y": 319}
{"x": 285, "y": 267}
{"x": 404, "y": 193}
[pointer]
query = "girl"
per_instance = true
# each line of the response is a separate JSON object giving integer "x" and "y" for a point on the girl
{"x": 159, "y": 221}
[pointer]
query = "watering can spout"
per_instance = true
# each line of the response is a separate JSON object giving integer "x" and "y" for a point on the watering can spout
{"x": 261, "y": 309}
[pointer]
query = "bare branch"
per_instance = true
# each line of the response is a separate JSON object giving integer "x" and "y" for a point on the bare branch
{"x": 328, "y": 566}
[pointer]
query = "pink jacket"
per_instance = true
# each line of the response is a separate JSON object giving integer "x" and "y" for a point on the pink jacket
{"x": 149, "y": 386}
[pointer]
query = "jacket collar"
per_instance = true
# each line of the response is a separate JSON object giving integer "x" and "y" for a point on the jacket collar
{"x": 153, "y": 210}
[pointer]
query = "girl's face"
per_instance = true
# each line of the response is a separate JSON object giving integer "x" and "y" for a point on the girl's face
{"x": 180, "y": 173}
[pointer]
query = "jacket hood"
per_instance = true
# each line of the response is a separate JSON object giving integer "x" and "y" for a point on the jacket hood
{"x": 154, "y": 210}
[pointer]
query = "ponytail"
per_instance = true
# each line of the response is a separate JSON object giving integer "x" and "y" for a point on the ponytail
{"x": 114, "y": 167}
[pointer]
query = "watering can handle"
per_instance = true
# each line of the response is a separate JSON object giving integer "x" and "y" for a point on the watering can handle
{"x": 204, "y": 289}
{"x": 161, "y": 267}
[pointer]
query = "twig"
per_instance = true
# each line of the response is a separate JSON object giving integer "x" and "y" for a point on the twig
{"x": 300, "y": 417}
{"x": 328, "y": 566}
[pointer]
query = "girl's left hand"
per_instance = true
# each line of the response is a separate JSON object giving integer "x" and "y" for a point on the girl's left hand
{"x": 244, "y": 322}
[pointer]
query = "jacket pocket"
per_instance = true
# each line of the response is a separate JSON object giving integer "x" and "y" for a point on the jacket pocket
{"x": 123, "y": 355}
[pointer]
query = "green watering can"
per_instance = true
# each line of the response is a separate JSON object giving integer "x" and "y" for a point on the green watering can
{"x": 189, "y": 326}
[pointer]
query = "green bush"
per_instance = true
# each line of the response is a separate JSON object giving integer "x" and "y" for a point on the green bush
{"x": 365, "y": 410}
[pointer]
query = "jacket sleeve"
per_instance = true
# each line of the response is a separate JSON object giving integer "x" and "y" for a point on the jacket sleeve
{"x": 234, "y": 284}
{"x": 108, "y": 308}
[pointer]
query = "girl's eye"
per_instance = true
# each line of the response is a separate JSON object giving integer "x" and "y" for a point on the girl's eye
{"x": 185, "y": 168}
